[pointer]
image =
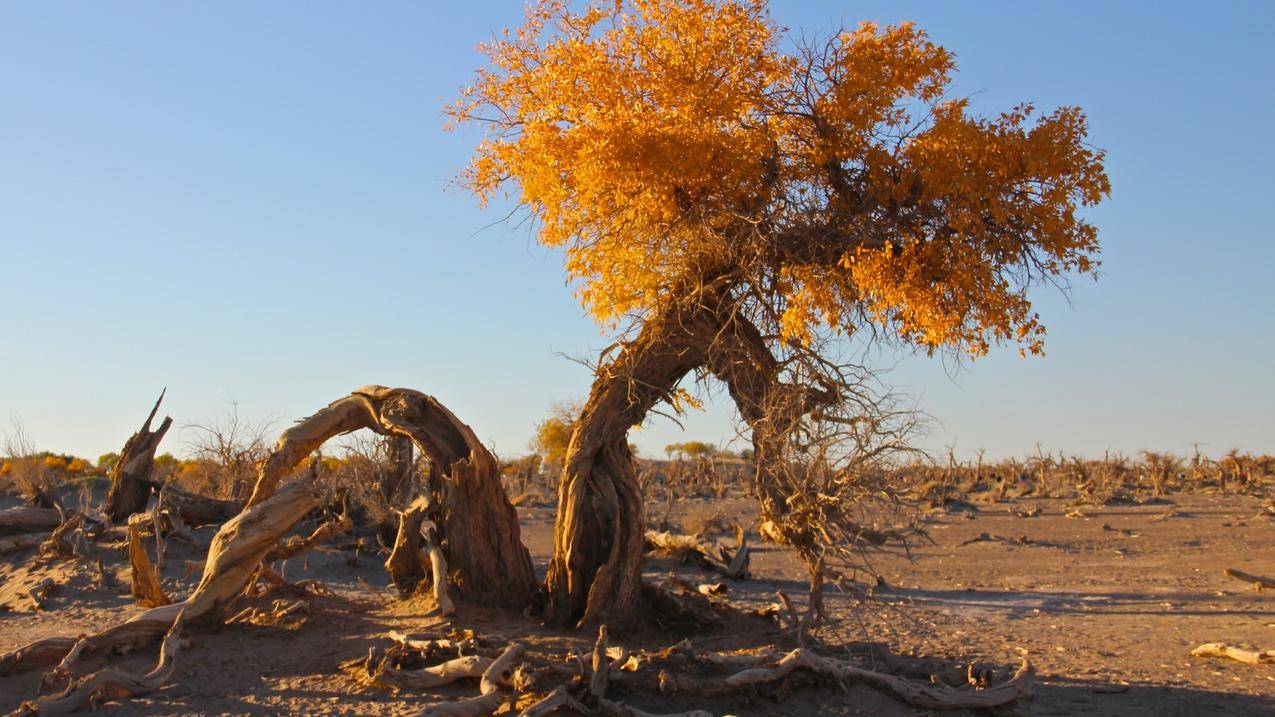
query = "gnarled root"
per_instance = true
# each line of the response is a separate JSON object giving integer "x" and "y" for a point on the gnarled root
{"x": 110, "y": 683}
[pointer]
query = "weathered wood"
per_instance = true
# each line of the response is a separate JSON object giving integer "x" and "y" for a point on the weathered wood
{"x": 490, "y": 698}
{"x": 195, "y": 509}
{"x": 436, "y": 676}
{"x": 233, "y": 558}
{"x": 130, "y": 478}
{"x": 923, "y": 695}
{"x": 405, "y": 564}
{"x": 14, "y": 521}
{"x": 145, "y": 579}
{"x": 110, "y": 683}
{"x": 478, "y": 527}
{"x": 1258, "y": 582}
{"x": 1221, "y": 649}
{"x": 438, "y": 565}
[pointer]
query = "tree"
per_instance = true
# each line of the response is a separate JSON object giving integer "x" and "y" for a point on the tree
{"x": 554, "y": 433}
{"x": 739, "y": 201}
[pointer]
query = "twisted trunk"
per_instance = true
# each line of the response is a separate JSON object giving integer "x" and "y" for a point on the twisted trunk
{"x": 478, "y": 527}
{"x": 595, "y": 571}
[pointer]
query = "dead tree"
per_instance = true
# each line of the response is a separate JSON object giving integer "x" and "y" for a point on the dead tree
{"x": 130, "y": 478}
{"x": 477, "y": 526}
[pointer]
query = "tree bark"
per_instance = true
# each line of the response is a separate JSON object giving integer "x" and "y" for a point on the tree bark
{"x": 396, "y": 484}
{"x": 130, "y": 478}
{"x": 477, "y": 525}
{"x": 594, "y": 574}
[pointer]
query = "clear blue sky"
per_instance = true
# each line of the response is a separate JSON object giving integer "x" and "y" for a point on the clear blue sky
{"x": 249, "y": 200}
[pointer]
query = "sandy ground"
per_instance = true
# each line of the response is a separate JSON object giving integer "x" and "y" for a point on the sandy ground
{"x": 1107, "y": 605}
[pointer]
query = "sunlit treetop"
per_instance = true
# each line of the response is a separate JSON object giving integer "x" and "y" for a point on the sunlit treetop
{"x": 836, "y": 184}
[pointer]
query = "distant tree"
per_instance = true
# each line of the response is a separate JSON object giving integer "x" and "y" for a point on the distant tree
{"x": 553, "y": 434}
{"x": 106, "y": 462}
{"x": 733, "y": 198}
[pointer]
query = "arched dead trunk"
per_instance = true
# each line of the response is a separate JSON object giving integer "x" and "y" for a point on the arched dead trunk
{"x": 130, "y": 478}
{"x": 595, "y": 571}
{"x": 477, "y": 525}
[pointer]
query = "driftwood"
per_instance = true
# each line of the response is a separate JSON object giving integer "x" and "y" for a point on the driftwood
{"x": 490, "y": 697}
{"x": 130, "y": 478}
{"x": 1221, "y": 649}
{"x": 233, "y": 558}
{"x": 145, "y": 581}
{"x": 14, "y": 521}
{"x": 477, "y": 526}
{"x": 1258, "y": 582}
{"x": 917, "y": 694}
{"x": 110, "y": 683}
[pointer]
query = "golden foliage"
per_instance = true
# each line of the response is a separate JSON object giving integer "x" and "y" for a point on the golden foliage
{"x": 661, "y": 141}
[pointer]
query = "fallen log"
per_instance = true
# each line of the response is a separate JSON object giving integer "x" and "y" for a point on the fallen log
{"x": 915, "y": 693}
{"x": 430, "y": 677}
{"x": 130, "y": 478}
{"x": 1258, "y": 582}
{"x": 14, "y": 521}
{"x": 711, "y": 555}
{"x": 110, "y": 683}
{"x": 1221, "y": 649}
{"x": 195, "y": 509}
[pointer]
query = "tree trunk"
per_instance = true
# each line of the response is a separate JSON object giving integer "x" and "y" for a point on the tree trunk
{"x": 130, "y": 479}
{"x": 396, "y": 485}
{"x": 479, "y": 529}
{"x": 595, "y": 571}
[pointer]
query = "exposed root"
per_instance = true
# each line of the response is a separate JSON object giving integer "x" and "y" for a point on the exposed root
{"x": 110, "y": 683}
{"x": 1221, "y": 649}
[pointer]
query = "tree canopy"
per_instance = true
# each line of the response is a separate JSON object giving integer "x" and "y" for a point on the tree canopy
{"x": 836, "y": 183}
